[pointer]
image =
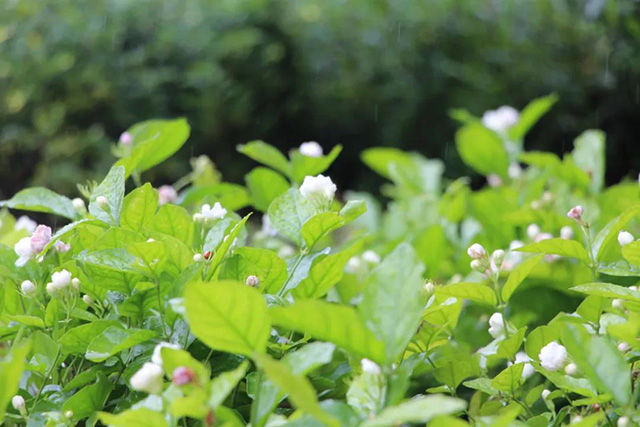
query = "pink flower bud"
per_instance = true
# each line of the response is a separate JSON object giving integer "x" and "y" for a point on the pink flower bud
{"x": 41, "y": 237}
{"x": 167, "y": 194}
{"x": 61, "y": 246}
{"x": 126, "y": 139}
{"x": 576, "y": 213}
{"x": 182, "y": 375}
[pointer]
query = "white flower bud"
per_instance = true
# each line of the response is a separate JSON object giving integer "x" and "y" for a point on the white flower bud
{"x": 545, "y": 394}
{"x": 24, "y": 250}
{"x": 566, "y": 232}
{"x": 52, "y": 289}
{"x": 61, "y": 246}
{"x": 61, "y": 279}
{"x": 198, "y": 258}
{"x": 576, "y": 213}
{"x": 78, "y": 205}
{"x": 156, "y": 358}
{"x": 624, "y": 422}
{"x": 371, "y": 257}
{"x": 496, "y": 325}
{"x": 68, "y": 414}
{"x": 311, "y": 149}
{"x": 167, "y": 194}
{"x": 624, "y": 347}
{"x": 515, "y": 171}
{"x": 41, "y": 238}
{"x": 543, "y": 236}
{"x": 494, "y": 180}
{"x": 25, "y": 223}
{"x": 429, "y": 288}
{"x": 617, "y": 303}
{"x": 18, "y": 403}
{"x": 533, "y": 230}
{"x": 75, "y": 283}
{"x": 476, "y": 265}
{"x": 318, "y": 187}
{"x": 252, "y": 281}
{"x": 148, "y": 379}
{"x": 354, "y": 264}
{"x": 103, "y": 203}
{"x": 624, "y": 238}
{"x": 501, "y": 119}
{"x": 370, "y": 367}
{"x": 571, "y": 369}
{"x": 476, "y": 251}
{"x": 497, "y": 257}
{"x": 126, "y": 139}
{"x": 87, "y": 299}
{"x": 553, "y": 356}
{"x": 576, "y": 419}
{"x": 28, "y": 287}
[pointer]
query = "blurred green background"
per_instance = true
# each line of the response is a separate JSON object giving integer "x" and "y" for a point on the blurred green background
{"x": 75, "y": 74}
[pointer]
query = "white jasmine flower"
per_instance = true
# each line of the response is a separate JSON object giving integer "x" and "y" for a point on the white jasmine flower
{"x": 476, "y": 251}
{"x": 156, "y": 358}
{"x": 476, "y": 265}
{"x": 553, "y": 356}
{"x": 617, "y": 303}
{"x": 371, "y": 257}
{"x": 624, "y": 347}
{"x": 624, "y": 238}
{"x": 68, "y": 414}
{"x": 75, "y": 282}
{"x": 148, "y": 379}
{"x": 370, "y": 367}
{"x": 103, "y": 203}
{"x": 318, "y": 187}
{"x": 311, "y": 149}
{"x": 27, "y": 287}
{"x": 213, "y": 213}
{"x": 500, "y": 120}
{"x": 18, "y": 403}
{"x": 25, "y": 223}
{"x": 571, "y": 369}
{"x": 497, "y": 257}
{"x": 528, "y": 370}
{"x": 514, "y": 171}
{"x": 623, "y": 422}
{"x": 167, "y": 194}
{"x": 52, "y": 289}
{"x": 198, "y": 258}
{"x": 429, "y": 288}
{"x": 533, "y": 230}
{"x": 496, "y": 325}
{"x": 354, "y": 264}
{"x": 545, "y": 394}
{"x": 566, "y": 232}
{"x": 61, "y": 279}
{"x": 87, "y": 299}
{"x": 24, "y": 250}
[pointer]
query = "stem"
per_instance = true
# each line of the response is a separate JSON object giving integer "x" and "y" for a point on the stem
{"x": 161, "y": 310}
{"x": 293, "y": 270}
{"x": 592, "y": 261}
{"x": 46, "y": 378}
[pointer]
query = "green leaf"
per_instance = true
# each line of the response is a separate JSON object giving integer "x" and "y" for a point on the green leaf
{"x": 139, "y": 207}
{"x": 482, "y": 384}
{"x": 539, "y": 337}
{"x": 113, "y": 340}
{"x": 510, "y": 379}
{"x": 299, "y": 389}
{"x": 482, "y": 150}
{"x": 141, "y": 417}
{"x": 77, "y": 339}
{"x": 517, "y": 276}
{"x": 288, "y": 212}
{"x": 382, "y": 159}
{"x": 39, "y": 199}
{"x": 530, "y": 115}
{"x": 608, "y": 290}
{"x": 325, "y": 272}
{"x": 324, "y": 223}
{"x": 417, "y": 411}
{"x": 472, "y": 291}
{"x": 631, "y": 252}
{"x": 589, "y": 155}
{"x": 565, "y": 382}
{"x": 600, "y": 362}
{"x": 112, "y": 187}
{"x": 303, "y": 166}
{"x": 266, "y": 154}
{"x": 335, "y": 323}
{"x": 228, "y": 316}
{"x": 558, "y": 246}
{"x": 608, "y": 236}
{"x": 153, "y": 142}
{"x": 89, "y": 399}
{"x": 174, "y": 221}
{"x": 174, "y": 358}
{"x": 11, "y": 368}
{"x": 508, "y": 347}
{"x": 264, "y": 186}
{"x": 263, "y": 263}
{"x": 591, "y": 308}
{"x": 226, "y": 244}
{"x": 393, "y": 300}
{"x": 222, "y": 385}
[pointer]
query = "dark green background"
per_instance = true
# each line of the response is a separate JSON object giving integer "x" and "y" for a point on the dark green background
{"x": 75, "y": 74}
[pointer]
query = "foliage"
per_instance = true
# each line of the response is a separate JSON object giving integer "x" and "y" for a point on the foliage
{"x": 151, "y": 308}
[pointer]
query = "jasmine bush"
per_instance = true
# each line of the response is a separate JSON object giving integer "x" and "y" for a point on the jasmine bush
{"x": 511, "y": 305}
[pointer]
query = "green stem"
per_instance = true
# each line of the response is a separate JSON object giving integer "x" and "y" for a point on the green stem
{"x": 293, "y": 270}
{"x": 46, "y": 379}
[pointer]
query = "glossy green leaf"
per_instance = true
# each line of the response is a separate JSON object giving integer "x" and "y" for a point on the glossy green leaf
{"x": 174, "y": 221}
{"x": 335, "y": 323}
{"x": 112, "y": 187}
{"x": 608, "y": 236}
{"x": 418, "y": 410}
{"x": 517, "y": 276}
{"x": 264, "y": 186}
{"x": 11, "y": 368}
{"x": 288, "y": 212}
{"x": 141, "y": 417}
{"x": 266, "y": 154}
{"x": 530, "y": 115}
{"x": 113, "y": 340}
{"x": 482, "y": 150}
{"x": 303, "y": 166}
{"x": 393, "y": 300}
{"x": 558, "y": 246}
{"x": 608, "y": 290}
{"x": 139, "y": 207}
{"x": 510, "y": 379}
{"x": 228, "y": 316}
{"x": 508, "y": 347}
{"x": 77, "y": 339}
{"x": 270, "y": 269}
{"x": 589, "y": 155}
{"x": 222, "y": 385}
{"x": 39, "y": 199}
{"x": 472, "y": 291}
{"x": 88, "y": 400}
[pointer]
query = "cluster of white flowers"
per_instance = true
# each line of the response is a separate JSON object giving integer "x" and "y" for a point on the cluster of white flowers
{"x": 61, "y": 283}
{"x": 149, "y": 378}
{"x": 209, "y": 214}
{"x": 553, "y": 356}
{"x": 501, "y": 119}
